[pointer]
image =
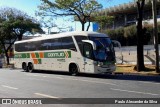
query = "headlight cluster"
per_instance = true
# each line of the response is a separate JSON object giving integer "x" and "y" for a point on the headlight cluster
{"x": 100, "y": 64}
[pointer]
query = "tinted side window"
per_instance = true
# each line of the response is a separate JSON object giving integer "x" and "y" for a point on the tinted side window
{"x": 67, "y": 43}
{"x": 32, "y": 46}
{"x": 79, "y": 41}
{"x": 50, "y": 44}
{"x": 18, "y": 47}
{"x": 27, "y": 46}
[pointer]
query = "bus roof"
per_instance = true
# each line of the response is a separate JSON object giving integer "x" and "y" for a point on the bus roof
{"x": 65, "y": 34}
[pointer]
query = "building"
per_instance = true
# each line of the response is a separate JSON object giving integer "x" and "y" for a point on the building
{"x": 126, "y": 14}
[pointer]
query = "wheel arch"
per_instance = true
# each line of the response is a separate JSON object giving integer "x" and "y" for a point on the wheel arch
{"x": 31, "y": 63}
{"x": 24, "y": 63}
{"x": 24, "y": 66}
{"x": 74, "y": 63}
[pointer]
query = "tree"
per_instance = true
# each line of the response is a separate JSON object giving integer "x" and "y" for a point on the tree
{"x": 21, "y": 25}
{"x": 19, "y": 21}
{"x": 140, "y": 36}
{"x": 6, "y": 38}
{"x": 103, "y": 20}
{"x": 80, "y": 9}
{"x": 49, "y": 24}
{"x": 13, "y": 24}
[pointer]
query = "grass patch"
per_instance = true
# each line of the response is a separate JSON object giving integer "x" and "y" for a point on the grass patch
{"x": 125, "y": 68}
{"x": 149, "y": 69}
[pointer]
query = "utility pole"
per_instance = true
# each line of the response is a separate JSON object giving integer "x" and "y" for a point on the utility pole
{"x": 154, "y": 12}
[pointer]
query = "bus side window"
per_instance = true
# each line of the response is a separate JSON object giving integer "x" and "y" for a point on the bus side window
{"x": 50, "y": 44}
{"x": 55, "y": 43}
{"x": 42, "y": 45}
{"x": 67, "y": 43}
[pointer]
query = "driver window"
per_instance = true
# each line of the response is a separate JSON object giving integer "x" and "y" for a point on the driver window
{"x": 87, "y": 51}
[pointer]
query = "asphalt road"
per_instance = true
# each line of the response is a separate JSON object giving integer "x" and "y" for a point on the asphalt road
{"x": 17, "y": 84}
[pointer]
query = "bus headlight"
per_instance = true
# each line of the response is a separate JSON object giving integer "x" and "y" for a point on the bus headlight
{"x": 100, "y": 63}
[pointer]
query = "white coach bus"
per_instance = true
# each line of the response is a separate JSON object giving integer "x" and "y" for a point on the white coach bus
{"x": 74, "y": 52}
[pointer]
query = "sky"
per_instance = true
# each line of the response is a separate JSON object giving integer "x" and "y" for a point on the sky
{"x": 30, "y": 6}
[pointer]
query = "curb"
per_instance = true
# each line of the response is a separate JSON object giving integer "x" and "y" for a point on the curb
{"x": 137, "y": 73}
{"x": 135, "y": 77}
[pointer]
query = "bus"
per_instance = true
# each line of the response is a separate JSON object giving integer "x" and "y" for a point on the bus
{"x": 74, "y": 52}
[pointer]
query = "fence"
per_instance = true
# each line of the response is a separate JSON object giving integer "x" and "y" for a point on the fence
{"x": 128, "y": 54}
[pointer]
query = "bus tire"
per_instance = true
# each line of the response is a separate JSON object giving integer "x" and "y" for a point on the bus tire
{"x": 24, "y": 67}
{"x": 30, "y": 67}
{"x": 73, "y": 69}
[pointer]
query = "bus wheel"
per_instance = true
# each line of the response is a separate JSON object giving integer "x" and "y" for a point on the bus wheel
{"x": 73, "y": 69}
{"x": 24, "y": 67}
{"x": 30, "y": 67}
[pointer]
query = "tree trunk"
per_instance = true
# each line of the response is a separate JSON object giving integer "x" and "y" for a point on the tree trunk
{"x": 6, "y": 54}
{"x": 88, "y": 25}
{"x": 7, "y": 49}
{"x": 83, "y": 26}
{"x": 20, "y": 37}
{"x": 140, "y": 37}
{"x": 7, "y": 57}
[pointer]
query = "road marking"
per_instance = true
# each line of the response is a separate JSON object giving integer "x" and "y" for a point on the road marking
{"x": 36, "y": 75}
{"x": 97, "y": 82}
{"x": 74, "y": 79}
{"x": 9, "y": 87}
{"x": 48, "y": 96}
{"x": 33, "y": 75}
{"x": 133, "y": 91}
{"x": 44, "y": 76}
{"x": 85, "y": 80}
{"x": 58, "y": 78}
{"x": 149, "y": 82}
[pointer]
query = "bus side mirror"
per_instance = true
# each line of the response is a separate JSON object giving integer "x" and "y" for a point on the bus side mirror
{"x": 90, "y": 42}
{"x": 116, "y": 44}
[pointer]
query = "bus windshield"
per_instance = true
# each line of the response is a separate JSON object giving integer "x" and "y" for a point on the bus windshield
{"x": 104, "y": 49}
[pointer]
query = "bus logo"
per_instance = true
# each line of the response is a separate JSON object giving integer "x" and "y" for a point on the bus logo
{"x": 61, "y": 54}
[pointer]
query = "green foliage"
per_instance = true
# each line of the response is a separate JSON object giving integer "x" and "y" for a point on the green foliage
{"x": 18, "y": 22}
{"x": 127, "y": 36}
{"x": 117, "y": 34}
{"x": 21, "y": 25}
{"x": 103, "y": 20}
{"x": 130, "y": 33}
{"x": 81, "y": 9}
{"x": 13, "y": 24}
{"x": 68, "y": 7}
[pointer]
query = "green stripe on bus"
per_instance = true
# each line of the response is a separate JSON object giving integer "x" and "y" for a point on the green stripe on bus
{"x": 28, "y": 55}
{"x": 69, "y": 53}
{"x": 37, "y": 55}
{"x": 22, "y": 55}
{"x": 39, "y": 61}
{"x": 60, "y": 54}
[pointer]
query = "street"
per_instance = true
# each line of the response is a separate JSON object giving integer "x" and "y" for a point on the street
{"x": 17, "y": 84}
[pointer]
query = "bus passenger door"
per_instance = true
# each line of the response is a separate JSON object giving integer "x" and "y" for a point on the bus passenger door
{"x": 88, "y": 58}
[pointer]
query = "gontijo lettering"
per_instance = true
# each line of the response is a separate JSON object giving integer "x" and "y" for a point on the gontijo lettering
{"x": 60, "y": 54}
{"x": 55, "y": 55}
